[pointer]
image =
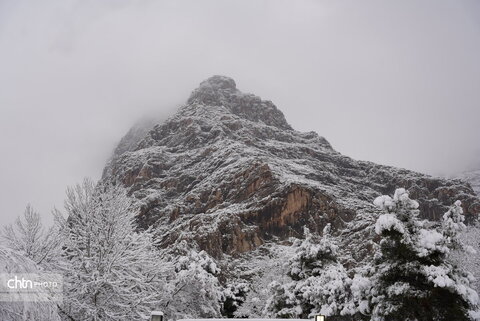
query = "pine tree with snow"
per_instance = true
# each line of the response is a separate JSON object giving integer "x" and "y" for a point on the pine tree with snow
{"x": 413, "y": 280}
{"x": 111, "y": 272}
{"x": 319, "y": 282}
{"x": 452, "y": 225}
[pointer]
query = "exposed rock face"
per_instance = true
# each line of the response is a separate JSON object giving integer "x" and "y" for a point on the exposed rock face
{"x": 228, "y": 172}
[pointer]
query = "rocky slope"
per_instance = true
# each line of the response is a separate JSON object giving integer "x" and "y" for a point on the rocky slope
{"x": 228, "y": 174}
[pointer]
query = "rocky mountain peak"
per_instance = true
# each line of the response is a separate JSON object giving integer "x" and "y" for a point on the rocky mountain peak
{"x": 222, "y": 91}
{"x": 229, "y": 175}
{"x": 221, "y": 82}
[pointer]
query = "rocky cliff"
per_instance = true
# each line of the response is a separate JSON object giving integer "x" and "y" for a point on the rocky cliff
{"x": 230, "y": 175}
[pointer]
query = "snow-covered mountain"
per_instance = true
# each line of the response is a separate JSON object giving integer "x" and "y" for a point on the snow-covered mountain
{"x": 228, "y": 171}
{"x": 230, "y": 176}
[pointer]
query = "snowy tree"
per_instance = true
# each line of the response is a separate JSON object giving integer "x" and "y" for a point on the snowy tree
{"x": 412, "y": 278}
{"x": 111, "y": 272}
{"x": 195, "y": 290}
{"x": 40, "y": 305}
{"x": 29, "y": 237}
{"x": 234, "y": 297}
{"x": 453, "y": 226}
{"x": 260, "y": 277}
{"x": 320, "y": 284}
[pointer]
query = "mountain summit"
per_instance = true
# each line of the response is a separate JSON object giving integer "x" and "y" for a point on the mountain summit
{"x": 230, "y": 176}
{"x": 222, "y": 91}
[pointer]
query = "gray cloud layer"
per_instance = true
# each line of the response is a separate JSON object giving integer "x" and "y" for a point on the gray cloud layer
{"x": 395, "y": 82}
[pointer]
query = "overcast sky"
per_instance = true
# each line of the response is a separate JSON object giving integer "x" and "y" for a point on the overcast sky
{"x": 395, "y": 82}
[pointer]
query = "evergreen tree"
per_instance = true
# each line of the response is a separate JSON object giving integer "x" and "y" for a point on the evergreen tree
{"x": 452, "y": 226}
{"x": 319, "y": 282}
{"x": 413, "y": 280}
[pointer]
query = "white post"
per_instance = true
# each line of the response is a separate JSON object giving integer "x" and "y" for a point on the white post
{"x": 156, "y": 316}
